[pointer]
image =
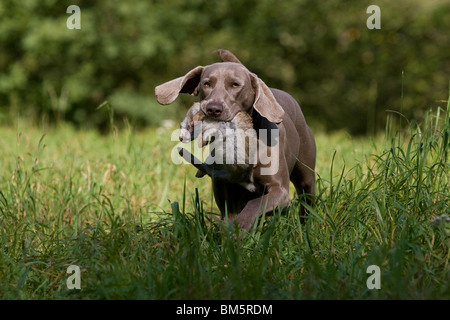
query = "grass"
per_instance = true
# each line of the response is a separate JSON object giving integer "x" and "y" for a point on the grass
{"x": 140, "y": 227}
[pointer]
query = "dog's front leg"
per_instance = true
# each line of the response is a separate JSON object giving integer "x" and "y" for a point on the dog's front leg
{"x": 277, "y": 197}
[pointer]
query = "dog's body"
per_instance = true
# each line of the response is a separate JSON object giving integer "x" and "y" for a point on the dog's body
{"x": 227, "y": 88}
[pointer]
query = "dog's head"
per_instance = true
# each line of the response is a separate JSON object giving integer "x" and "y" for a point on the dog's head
{"x": 224, "y": 88}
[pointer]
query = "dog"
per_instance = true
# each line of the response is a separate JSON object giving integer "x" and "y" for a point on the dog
{"x": 227, "y": 88}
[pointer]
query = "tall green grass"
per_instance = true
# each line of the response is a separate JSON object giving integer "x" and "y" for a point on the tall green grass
{"x": 140, "y": 227}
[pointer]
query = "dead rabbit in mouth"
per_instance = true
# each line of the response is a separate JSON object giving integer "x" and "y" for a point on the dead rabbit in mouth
{"x": 232, "y": 146}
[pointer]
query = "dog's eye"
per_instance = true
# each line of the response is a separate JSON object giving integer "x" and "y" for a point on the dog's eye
{"x": 206, "y": 84}
{"x": 236, "y": 85}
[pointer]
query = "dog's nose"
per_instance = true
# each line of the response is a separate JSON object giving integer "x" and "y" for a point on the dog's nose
{"x": 214, "y": 109}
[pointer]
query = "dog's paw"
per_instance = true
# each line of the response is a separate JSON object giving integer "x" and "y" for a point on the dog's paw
{"x": 245, "y": 223}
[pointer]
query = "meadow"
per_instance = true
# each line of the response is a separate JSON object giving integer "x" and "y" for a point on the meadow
{"x": 141, "y": 227}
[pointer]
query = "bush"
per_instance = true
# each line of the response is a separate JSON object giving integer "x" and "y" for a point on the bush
{"x": 344, "y": 75}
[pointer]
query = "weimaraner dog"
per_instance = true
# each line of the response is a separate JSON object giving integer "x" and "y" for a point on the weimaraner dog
{"x": 228, "y": 87}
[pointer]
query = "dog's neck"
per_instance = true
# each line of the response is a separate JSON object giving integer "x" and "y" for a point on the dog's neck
{"x": 259, "y": 122}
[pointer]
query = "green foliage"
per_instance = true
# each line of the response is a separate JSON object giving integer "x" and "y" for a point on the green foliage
{"x": 100, "y": 202}
{"x": 344, "y": 75}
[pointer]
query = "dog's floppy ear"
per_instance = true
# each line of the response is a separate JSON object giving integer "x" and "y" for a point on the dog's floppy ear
{"x": 227, "y": 56}
{"x": 265, "y": 103}
{"x": 166, "y": 93}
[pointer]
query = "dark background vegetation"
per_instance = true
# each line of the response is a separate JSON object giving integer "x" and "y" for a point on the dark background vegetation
{"x": 343, "y": 74}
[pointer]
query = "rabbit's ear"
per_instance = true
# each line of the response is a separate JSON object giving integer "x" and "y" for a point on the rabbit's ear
{"x": 227, "y": 56}
{"x": 166, "y": 93}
